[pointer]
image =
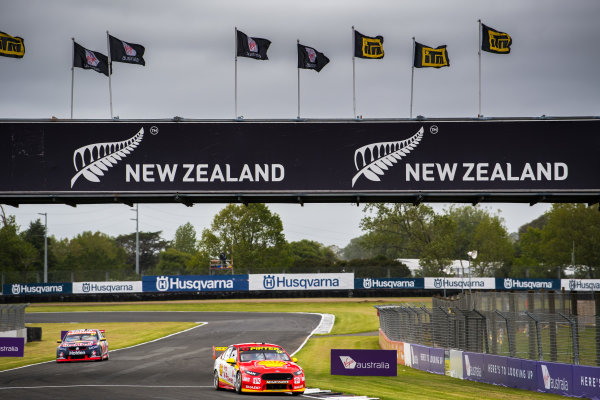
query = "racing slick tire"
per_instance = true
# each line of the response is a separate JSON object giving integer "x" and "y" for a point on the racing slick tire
{"x": 216, "y": 384}
{"x": 238, "y": 383}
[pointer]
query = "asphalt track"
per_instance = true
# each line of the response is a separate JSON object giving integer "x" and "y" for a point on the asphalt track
{"x": 175, "y": 367}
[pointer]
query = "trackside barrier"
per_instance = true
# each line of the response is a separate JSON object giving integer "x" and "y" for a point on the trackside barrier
{"x": 541, "y": 376}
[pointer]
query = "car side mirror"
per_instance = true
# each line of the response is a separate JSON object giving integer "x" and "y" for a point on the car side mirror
{"x": 103, "y": 340}
{"x": 230, "y": 361}
{"x": 59, "y": 341}
{"x": 294, "y": 359}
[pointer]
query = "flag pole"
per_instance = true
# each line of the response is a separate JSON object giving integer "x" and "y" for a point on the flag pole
{"x": 479, "y": 56}
{"x": 353, "y": 73}
{"x": 412, "y": 78}
{"x": 109, "y": 74}
{"x": 298, "y": 45}
{"x": 72, "y": 75}
{"x": 235, "y": 71}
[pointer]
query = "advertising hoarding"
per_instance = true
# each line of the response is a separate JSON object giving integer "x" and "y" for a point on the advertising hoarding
{"x": 107, "y": 287}
{"x": 326, "y": 281}
{"x": 195, "y": 283}
{"x": 364, "y": 362}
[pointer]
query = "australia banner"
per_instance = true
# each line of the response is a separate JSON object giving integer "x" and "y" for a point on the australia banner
{"x": 277, "y": 160}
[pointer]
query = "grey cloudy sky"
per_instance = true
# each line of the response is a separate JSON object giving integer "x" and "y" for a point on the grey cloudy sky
{"x": 552, "y": 70}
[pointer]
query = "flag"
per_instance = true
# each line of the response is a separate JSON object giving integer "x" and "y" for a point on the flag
{"x": 430, "y": 57}
{"x": 87, "y": 59}
{"x": 124, "y": 52}
{"x": 309, "y": 58}
{"x": 252, "y": 47}
{"x": 494, "y": 41}
{"x": 367, "y": 47}
{"x": 11, "y": 46}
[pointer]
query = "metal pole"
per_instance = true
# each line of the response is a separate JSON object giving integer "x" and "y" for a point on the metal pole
{"x": 297, "y": 45}
{"x": 109, "y": 74}
{"x": 45, "y": 246}
{"x": 235, "y": 71}
{"x": 72, "y": 75}
{"x": 479, "y": 56}
{"x": 353, "y": 73}
{"x": 137, "y": 239}
{"x": 412, "y": 78}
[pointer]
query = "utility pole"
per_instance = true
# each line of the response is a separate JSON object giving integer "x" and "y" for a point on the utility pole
{"x": 137, "y": 238}
{"x": 45, "y": 246}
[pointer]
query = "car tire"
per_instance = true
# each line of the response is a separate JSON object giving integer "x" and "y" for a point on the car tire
{"x": 216, "y": 383}
{"x": 238, "y": 383}
{"x": 297, "y": 393}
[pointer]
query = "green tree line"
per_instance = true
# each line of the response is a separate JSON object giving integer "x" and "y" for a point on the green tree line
{"x": 567, "y": 236}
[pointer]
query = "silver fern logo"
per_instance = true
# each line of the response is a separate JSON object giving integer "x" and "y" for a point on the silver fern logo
{"x": 93, "y": 160}
{"x": 372, "y": 160}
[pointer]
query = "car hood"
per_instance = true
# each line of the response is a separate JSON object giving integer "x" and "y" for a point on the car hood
{"x": 270, "y": 366}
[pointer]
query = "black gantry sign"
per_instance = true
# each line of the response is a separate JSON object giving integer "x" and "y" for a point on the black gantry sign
{"x": 453, "y": 160}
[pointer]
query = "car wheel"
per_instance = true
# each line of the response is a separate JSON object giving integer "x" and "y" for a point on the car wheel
{"x": 216, "y": 383}
{"x": 238, "y": 383}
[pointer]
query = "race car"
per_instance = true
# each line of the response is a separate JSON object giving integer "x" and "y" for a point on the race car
{"x": 257, "y": 367}
{"x": 82, "y": 345}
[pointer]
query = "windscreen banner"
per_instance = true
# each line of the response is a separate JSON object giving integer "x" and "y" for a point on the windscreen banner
{"x": 581, "y": 284}
{"x": 388, "y": 283}
{"x": 354, "y": 362}
{"x": 327, "y": 281}
{"x": 195, "y": 283}
{"x": 27, "y": 289}
{"x": 107, "y": 287}
{"x": 460, "y": 283}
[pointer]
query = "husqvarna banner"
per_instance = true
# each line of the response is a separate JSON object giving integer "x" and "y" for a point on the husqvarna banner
{"x": 581, "y": 284}
{"x": 172, "y": 160}
{"x": 527, "y": 284}
{"x": 195, "y": 283}
{"x": 327, "y": 281}
{"x": 388, "y": 283}
{"x": 107, "y": 287}
{"x": 460, "y": 283}
{"x": 26, "y": 289}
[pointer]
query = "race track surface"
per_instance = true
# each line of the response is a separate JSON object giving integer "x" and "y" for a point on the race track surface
{"x": 176, "y": 367}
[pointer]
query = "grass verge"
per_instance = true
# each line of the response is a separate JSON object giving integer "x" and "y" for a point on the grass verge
{"x": 409, "y": 384}
{"x": 351, "y": 315}
{"x": 118, "y": 335}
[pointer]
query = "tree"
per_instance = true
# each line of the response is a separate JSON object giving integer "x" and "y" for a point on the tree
{"x": 151, "y": 244}
{"x": 529, "y": 260}
{"x": 172, "y": 261}
{"x": 17, "y": 256}
{"x": 251, "y": 235}
{"x": 185, "y": 239}
{"x": 35, "y": 235}
{"x": 407, "y": 231}
{"x": 91, "y": 254}
{"x": 308, "y": 255}
{"x": 494, "y": 247}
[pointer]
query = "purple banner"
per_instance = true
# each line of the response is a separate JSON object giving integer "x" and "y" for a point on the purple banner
{"x": 12, "y": 347}
{"x": 586, "y": 382}
{"x": 555, "y": 378}
{"x": 473, "y": 366}
{"x": 437, "y": 361}
{"x": 495, "y": 370}
{"x": 419, "y": 356}
{"x": 364, "y": 362}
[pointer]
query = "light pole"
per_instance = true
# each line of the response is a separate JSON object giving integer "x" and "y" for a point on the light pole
{"x": 45, "y": 246}
{"x": 472, "y": 255}
{"x": 137, "y": 238}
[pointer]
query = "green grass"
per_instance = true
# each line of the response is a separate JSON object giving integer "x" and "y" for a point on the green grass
{"x": 351, "y": 315}
{"x": 409, "y": 384}
{"x": 119, "y": 335}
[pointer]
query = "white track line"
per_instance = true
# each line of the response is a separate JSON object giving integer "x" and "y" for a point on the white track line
{"x": 124, "y": 348}
{"x": 325, "y": 319}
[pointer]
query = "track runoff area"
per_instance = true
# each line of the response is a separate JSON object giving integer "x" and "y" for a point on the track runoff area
{"x": 178, "y": 366}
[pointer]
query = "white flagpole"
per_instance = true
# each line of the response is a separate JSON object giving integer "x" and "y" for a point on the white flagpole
{"x": 479, "y": 56}
{"x": 235, "y": 71}
{"x": 72, "y": 75}
{"x": 353, "y": 73}
{"x": 297, "y": 45}
{"x": 109, "y": 74}
{"x": 412, "y": 78}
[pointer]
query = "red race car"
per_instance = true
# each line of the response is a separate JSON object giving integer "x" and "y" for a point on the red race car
{"x": 257, "y": 367}
{"x": 82, "y": 345}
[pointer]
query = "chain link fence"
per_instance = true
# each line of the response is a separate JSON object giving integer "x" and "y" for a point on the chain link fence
{"x": 546, "y": 326}
{"x": 12, "y": 317}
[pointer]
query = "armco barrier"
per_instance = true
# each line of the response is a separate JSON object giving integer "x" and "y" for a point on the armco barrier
{"x": 541, "y": 376}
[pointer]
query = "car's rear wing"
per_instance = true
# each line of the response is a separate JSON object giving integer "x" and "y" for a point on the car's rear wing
{"x": 217, "y": 348}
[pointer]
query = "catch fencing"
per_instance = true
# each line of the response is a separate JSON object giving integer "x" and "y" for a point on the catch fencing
{"x": 12, "y": 317}
{"x": 537, "y": 326}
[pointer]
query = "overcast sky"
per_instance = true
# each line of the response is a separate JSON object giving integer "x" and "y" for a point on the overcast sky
{"x": 552, "y": 70}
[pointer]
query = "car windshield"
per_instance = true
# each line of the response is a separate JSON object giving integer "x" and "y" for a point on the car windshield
{"x": 270, "y": 354}
{"x": 87, "y": 337}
